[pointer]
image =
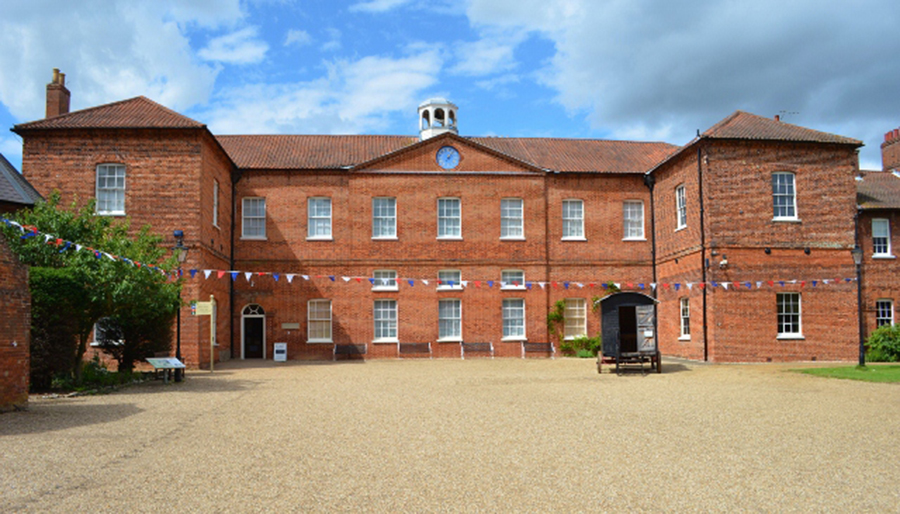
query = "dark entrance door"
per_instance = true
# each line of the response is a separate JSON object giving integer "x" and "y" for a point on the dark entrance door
{"x": 627, "y": 329}
{"x": 253, "y": 338}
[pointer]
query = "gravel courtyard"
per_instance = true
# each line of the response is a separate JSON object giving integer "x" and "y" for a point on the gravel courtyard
{"x": 454, "y": 436}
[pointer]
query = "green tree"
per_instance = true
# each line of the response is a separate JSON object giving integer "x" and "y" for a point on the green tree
{"x": 135, "y": 296}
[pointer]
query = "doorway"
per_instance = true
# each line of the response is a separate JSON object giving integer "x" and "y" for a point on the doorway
{"x": 627, "y": 329}
{"x": 253, "y": 332}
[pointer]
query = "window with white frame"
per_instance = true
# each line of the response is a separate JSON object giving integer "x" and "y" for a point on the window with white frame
{"x": 512, "y": 279}
{"x": 254, "y": 212}
{"x": 633, "y": 216}
{"x": 449, "y": 218}
{"x": 105, "y": 331}
{"x": 788, "y": 305}
{"x": 680, "y": 207}
{"x": 884, "y": 313}
{"x": 784, "y": 198}
{"x": 384, "y": 218}
{"x": 575, "y": 316}
{"x": 881, "y": 237}
{"x": 450, "y": 279}
{"x": 573, "y": 219}
{"x": 318, "y": 218}
{"x": 216, "y": 203}
{"x": 111, "y": 189}
{"x": 685, "y": 318}
{"x": 512, "y": 218}
{"x": 514, "y": 318}
{"x": 318, "y": 318}
{"x": 450, "y": 320}
{"x": 385, "y": 314}
{"x": 385, "y": 280}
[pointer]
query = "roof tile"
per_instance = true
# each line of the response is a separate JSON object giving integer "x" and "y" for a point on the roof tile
{"x": 13, "y": 186}
{"x": 138, "y": 112}
{"x": 743, "y": 125}
{"x": 878, "y": 190}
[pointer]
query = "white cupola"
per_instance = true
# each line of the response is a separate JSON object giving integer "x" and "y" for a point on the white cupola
{"x": 436, "y": 116}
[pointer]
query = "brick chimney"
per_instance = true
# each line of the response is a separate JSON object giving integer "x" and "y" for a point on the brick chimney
{"x": 57, "y": 95}
{"x": 890, "y": 151}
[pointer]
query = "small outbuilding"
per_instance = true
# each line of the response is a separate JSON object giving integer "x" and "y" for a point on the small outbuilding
{"x": 628, "y": 327}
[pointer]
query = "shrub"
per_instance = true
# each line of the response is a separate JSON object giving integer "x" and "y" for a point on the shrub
{"x": 584, "y": 347}
{"x": 884, "y": 344}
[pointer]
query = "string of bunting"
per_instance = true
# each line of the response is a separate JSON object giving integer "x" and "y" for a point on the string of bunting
{"x": 63, "y": 245}
{"x": 528, "y": 285}
{"x": 29, "y": 231}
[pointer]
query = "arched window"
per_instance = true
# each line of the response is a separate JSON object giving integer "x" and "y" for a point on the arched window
{"x": 254, "y": 310}
{"x": 452, "y": 119}
{"x": 439, "y": 118}
{"x": 426, "y": 120}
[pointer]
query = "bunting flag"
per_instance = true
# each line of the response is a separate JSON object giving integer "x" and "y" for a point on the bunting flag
{"x": 411, "y": 282}
{"x": 234, "y": 275}
{"x": 677, "y": 287}
{"x": 193, "y": 273}
{"x": 206, "y": 273}
{"x": 290, "y": 278}
{"x": 275, "y": 276}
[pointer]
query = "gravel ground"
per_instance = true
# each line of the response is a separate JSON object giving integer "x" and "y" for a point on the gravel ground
{"x": 454, "y": 436}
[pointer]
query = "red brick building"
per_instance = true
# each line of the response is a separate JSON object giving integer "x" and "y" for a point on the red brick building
{"x": 424, "y": 243}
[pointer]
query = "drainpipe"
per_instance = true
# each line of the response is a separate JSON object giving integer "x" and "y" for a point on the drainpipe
{"x": 235, "y": 176}
{"x": 703, "y": 261}
{"x": 547, "y": 246}
{"x": 650, "y": 181}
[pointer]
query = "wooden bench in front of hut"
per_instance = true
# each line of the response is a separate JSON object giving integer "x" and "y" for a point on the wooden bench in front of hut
{"x": 350, "y": 350}
{"x": 538, "y": 348}
{"x": 477, "y": 348}
{"x": 416, "y": 349}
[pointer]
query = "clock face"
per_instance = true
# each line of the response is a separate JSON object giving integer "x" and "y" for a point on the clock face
{"x": 448, "y": 157}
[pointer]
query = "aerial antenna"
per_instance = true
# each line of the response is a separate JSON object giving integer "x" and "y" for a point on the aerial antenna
{"x": 784, "y": 114}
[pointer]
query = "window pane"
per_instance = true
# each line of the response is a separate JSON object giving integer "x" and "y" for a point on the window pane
{"x": 450, "y": 277}
{"x": 884, "y": 312}
{"x": 110, "y": 192}
{"x": 633, "y": 214}
{"x": 573, "y": 218}
{"x": 449, "y": 318}
{"x": 511, "y": 217}
{"x": 575, "y": 317}
{"x": 513, "y": 317}
{"x": 384, "y": 217}
{"x": 783, "y": 199}
{"x": 449, "y": 222}
{"x": 788, "y": 313}
{"x": 254, "y": 213}
{"x": 385, "y": 319}
{"x": 385, "y": 279}
{"x": 319, "y": 320}
{"x": 685, "y": 317}
{"x": 512, "y": 278}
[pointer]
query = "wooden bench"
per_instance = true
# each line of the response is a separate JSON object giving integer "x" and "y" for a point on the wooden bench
{"x": 349, "y": 349}
{"x": 414, "y": 348}
{"x": 538, "y": 347}
{"x": 477, "y": 347}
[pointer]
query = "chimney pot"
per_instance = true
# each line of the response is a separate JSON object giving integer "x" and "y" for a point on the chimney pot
{"x": 57, "y": 95}
{"x": 888, "y": 136}
{"x": 897, "y": 133}
{"x": 777, "y": 118}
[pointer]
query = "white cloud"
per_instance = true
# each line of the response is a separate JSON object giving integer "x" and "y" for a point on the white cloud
{"x": 658, "y": 67}
{"x": 377, "y": 5}
{"x": 353, "y": 97}
{"x": 239, "y": 47}
{"x": 11, "y": 148}
{"x": 297, "y": 37}
{"x": 485, "y": 56}
{"x": 334, "y": 40}
{"x": 109, "y": 50}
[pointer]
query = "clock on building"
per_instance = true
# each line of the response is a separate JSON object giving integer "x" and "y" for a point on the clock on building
{"x": 448, "y": 157}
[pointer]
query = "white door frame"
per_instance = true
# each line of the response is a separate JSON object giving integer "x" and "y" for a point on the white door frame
{"x": 245, "y": 316}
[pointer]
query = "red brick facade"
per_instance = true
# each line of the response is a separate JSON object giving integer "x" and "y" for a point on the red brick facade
{"x": 15, "y": 330}
{"x": 172, "y": 172}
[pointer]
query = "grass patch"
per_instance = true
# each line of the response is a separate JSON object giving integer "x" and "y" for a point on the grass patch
{"x": 888, "y": 374}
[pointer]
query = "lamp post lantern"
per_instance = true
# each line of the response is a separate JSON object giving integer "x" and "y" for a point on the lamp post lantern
{"x": 180, "y": 252}
{"x": 857, "y": 254}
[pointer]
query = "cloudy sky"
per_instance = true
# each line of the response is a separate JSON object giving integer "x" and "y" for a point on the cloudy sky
{"x": 621, "y": 69}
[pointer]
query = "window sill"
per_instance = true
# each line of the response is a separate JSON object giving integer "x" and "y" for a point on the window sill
{"x": 115, "y": 213}
{"x": 385, "y": 289}
{"x": 449, "y": 288}
{"x": 449, "y": 238}
{"x": 384, "y": 238}
{"x": 320, "y": 341}
{"x": 450, "y": 340}
{"x": 385, "y": 340}
{"x": 253, "y": 238}
{"x": 513, "y": 288}
{"x": 572, "y": 338}
{"x": 679, "y": 229}
{"x": 216, "y": 227}
{"x": 96, "y": 344}
{"x": 884, "y": 256}
{"x": 787, "y": 220}
{"x": 574, "y": 239}
{"x": 320, "y": 238}
{"x": 684, "y": 338}
{"x": 789, "y": 337}
{"x": 513, "y": 238}
{"x": 514, "y": 338}
{"x": 634, "y": 239}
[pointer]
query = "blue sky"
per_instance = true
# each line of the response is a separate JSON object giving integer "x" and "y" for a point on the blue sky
{"x": 637, "y": 69}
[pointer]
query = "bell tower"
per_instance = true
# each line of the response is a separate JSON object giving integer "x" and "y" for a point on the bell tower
{"x": 436, "y": 116}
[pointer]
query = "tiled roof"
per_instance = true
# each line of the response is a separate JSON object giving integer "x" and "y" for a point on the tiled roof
{"x": 139, "y": 112}
{"x": 743, "y": 125}
{"x": 309, "y": 152}
{"x": 334, "y": 152}
{"x": 13, "y": 186}
{"x": 878, "y": 190}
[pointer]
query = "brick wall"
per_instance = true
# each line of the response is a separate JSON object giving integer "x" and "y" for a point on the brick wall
{"x": 890, "y": 150}
{"x": 879, "y": 273}
{"x": 15, "y": 326}
{"x": 168, "y": 186}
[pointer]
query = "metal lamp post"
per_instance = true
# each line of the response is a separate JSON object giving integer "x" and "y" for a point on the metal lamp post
{"x": 180, "y": 252}
{"x": 857, "y": 259}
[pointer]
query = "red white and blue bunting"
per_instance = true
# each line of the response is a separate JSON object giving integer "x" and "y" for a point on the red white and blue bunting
{"x": 215, "y": 274}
